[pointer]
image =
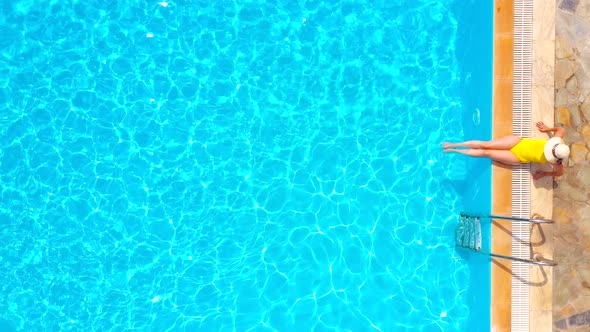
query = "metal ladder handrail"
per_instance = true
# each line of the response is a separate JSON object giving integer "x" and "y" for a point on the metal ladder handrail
{"x": 538, "y": 259}
{"x": 536, "y": 219}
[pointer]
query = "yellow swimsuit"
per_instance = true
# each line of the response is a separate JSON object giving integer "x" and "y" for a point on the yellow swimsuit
{"x": 530, "y": 150}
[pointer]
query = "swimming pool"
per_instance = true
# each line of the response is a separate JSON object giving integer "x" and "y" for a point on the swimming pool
{"x": 241, "y": 165}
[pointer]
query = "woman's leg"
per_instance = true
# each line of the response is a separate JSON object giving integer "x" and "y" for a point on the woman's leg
{"x": 502, "y": 143}
{"x": 503, "y": 156}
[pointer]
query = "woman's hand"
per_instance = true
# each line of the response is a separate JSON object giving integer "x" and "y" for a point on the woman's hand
{"x": 539, "y": 174}
{"x": 542, "y": 127}
{"x": 559, "y": 131}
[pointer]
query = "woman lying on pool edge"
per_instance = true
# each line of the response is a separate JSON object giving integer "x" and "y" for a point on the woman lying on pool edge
{"x": 515, "y": 150}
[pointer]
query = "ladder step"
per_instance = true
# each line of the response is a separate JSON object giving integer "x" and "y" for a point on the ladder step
{"x": 468, "y": 233}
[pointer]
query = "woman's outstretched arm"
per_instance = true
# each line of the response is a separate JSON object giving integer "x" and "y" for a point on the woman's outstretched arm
{"x": 557, "y": 171}
{"x": 559, "y": 131}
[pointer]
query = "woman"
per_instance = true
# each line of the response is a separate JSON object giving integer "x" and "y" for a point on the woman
{"x": 514, "y": 150}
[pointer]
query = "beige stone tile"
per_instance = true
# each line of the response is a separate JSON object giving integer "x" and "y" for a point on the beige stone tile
{"x": 583, "y": 9}
{"x": 542, "y": 107}
{"x": 543, "y": 20}
{"x": 563, "y": 47}
{"x": 541, "y": 190}
{"x": 543, "y": 103}
{"x": 542, "y": 193}
{"x": 564, "y": 69}
{"x": 541, "y": 321}
{"x": 543, "y": 62}
{"x": 541, "y": 289}
{"x": 542, "y": 239}
{"x": 582, "y": 301}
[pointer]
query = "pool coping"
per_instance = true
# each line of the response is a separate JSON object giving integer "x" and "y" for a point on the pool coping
{"x": 543, "y": 105}
{"x": 502, "y": 176}
{"x": 542, "y": 97}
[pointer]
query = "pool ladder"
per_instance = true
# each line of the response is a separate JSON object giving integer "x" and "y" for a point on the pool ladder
{"x": 468, "y": 235}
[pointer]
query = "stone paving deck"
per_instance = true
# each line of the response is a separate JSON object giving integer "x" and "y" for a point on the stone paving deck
{"x": 571, "y": 292}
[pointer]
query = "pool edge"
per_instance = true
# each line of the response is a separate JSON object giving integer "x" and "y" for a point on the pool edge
{"x": 543, "y": 100}
{"x": 541, "y": 191}
{"x": 502, "y": 176}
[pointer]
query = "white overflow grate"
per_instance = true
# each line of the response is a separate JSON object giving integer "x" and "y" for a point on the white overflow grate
{"x": 521, "y": 182}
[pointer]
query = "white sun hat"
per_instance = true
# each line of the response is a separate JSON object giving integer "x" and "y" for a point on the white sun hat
{"x": 555, "y": 149}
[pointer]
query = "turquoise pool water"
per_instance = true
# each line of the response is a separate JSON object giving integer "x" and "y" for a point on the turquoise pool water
{"x": 241, "y": 165}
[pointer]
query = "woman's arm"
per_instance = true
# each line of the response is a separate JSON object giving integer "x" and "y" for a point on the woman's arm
{"x": 557, "y": 171}
{"x": 559, "y": 131}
